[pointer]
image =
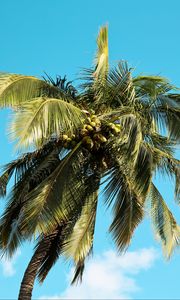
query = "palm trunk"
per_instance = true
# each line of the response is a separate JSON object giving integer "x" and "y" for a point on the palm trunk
{"x": 27, "y": 283}
{"x": 42, "y": 249}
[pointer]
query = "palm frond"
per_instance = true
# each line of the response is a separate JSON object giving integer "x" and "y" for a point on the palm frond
{"x": 150, "y": 87}
{"x": 61, "y": 85}
{"x": 143, "y": 170}
{"x": 127, "y": 204}
{"x": 80, "y": 241}
{"x": 172, "y": 168}
{"x": 166, "y": 164}
{"x": 16, "y": 89}
{"x": 17, "y": 167}
{"x": 164, "y": 223}
{"x": 131, "y": 136}
{"x": 78, "y": 273}
{"x": 5, "y": 177}
{"x": 52, "y": 245}
{"x": 129, "y": 139}
{"x": 61, "y": 240}
{"x": 154, "y": 92}
{"x": 37, "y": 170}
{"x": 79, "y": 244}
{"x": 170, "y": 119}
{"x": 11, "y": 236}
{"x": 160, "y": 142}
{"x": 44, "y": 118}
{"x": 55, "y": 198}
{"x": 121, "y": 89}
{"x": 28, "y": 161}
{"x": 101, "y": 60}
{"x": 116, "y": 114}
{"x": 177, "y": 184}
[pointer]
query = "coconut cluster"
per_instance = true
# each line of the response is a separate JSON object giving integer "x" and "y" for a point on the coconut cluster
{"x": 93, "y": 134}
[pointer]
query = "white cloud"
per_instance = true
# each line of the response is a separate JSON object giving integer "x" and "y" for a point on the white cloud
{"x": 8, "y": 265}
{"x": 109, "y": 276}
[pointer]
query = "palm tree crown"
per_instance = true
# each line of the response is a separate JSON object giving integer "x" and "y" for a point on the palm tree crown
{"x": 114, "y": 131}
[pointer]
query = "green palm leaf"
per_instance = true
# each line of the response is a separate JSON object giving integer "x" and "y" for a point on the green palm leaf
{"x": 25, "y": 163}
{"x": 78, "y": 274}
{"x": 16, "y": 89}
{"x": 43, "y": 118}
{"x": 163, "y": 105}
{"x": 34, "y": 172}
{"x": 177, "y": 184}
{"x": 11, "y": 236}
{"x": 143, "y": 170}
{"x": 164, "y": 223}
{"x": 55, "y": 198}
{"x": 79, "y": 244}
{"x": 121, "y": 89}
{"x": 127, "y": 204}
{"x": 52, "y": 245}
{"x": 5, "y": 177}
{"x": 80, "y": 241}
{"x": 151, "y": 87}
{"x": 170, "y": 118}
{"x": 101, "y": 59}
{"x": 131, "y": 136}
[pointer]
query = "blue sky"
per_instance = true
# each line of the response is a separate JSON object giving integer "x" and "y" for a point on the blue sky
{"x": 58, "y": 37}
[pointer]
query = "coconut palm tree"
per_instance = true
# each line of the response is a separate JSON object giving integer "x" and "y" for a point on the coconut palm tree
{"x": 112, "y": 133}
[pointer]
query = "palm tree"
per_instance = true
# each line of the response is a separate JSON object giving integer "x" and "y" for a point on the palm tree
{"x": 113, "y": 132}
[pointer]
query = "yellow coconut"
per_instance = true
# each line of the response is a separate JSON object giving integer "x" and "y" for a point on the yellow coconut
{"x": 98, "y": 122}
{"x": 118, "y": 126}
{"x": 89, "y": 128}
{"x": 103, "y": 139}
{"x": 116, "y": 130}
{"x": 112, "y": 126}
{"x": 69, "y": 140}
{"x": 89, "y": 119}
{"x": 93, "y": 117}
{"x": 93, "y": 124}
{"x": 64, "y": 137}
